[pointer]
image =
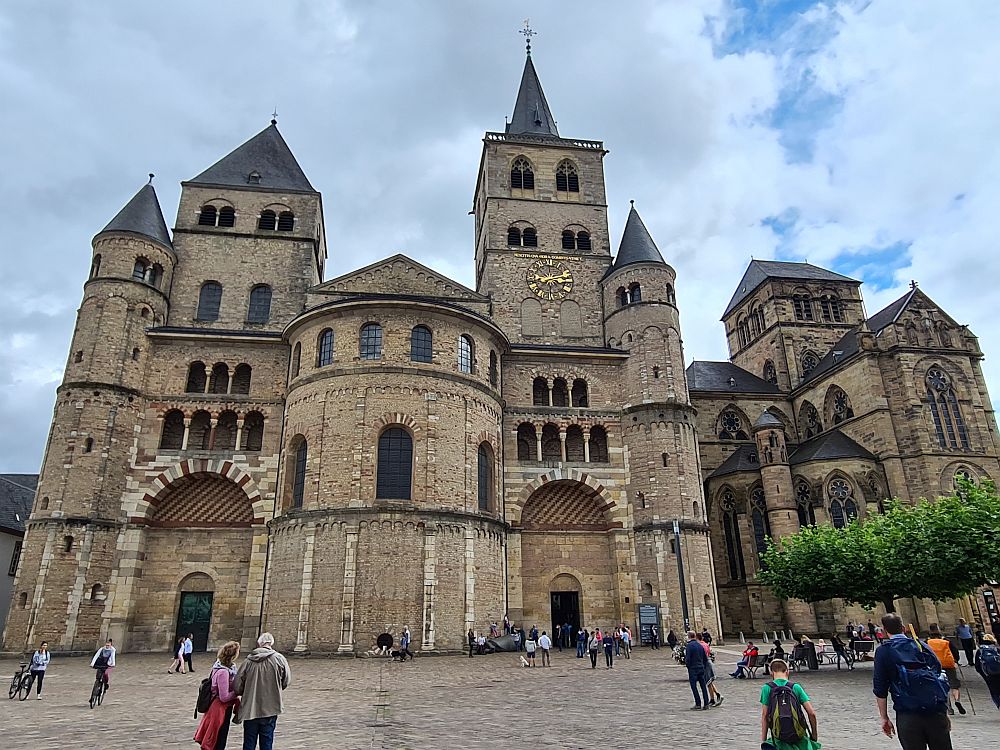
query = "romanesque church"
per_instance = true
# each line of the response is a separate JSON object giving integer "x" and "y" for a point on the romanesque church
{"x": 241, "y": 444}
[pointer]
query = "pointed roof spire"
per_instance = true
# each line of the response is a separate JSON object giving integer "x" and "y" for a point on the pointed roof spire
{"x": 637, "y": 244}
{"x": 531, "y": 111}
{"x": 264, "y": 162}
{"x": 142, "y": 215}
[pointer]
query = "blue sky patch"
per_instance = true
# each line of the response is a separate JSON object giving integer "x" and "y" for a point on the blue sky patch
{"x": 876, "y": 266}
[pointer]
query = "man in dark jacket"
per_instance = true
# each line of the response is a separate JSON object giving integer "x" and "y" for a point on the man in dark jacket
{"x": 696, "y": 661}
{"x": 918, "y": 728}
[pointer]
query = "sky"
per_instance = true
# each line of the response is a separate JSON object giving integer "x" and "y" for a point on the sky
{"x": 856, "y": 135}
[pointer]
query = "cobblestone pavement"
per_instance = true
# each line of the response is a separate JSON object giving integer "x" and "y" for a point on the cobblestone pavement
{"x": 456, "y": 703}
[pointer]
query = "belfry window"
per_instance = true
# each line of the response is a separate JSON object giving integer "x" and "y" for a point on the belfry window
{"x": 567, "y": 180}
{"x": 522, "y": 177}
{"x": 802, "y": 305}
{"x": 227, "y": 216}
{"x": 286, "y": 221}
{"x": 831, "y": 308}
{"x": 208, "y": 216}
{"x": 268, "y": 221}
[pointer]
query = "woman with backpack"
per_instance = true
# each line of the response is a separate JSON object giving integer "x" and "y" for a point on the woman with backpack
{"x": 786, "y": 713}
{"x": 988, "y": 666}
{"x": 213, "y": 730}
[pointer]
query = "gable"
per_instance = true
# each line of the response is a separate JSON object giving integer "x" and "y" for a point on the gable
{"x": 399, "y": 275}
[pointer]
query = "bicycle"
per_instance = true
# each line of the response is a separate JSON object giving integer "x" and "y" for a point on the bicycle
{"x": 97, "y": 692}
{"x": 20, "y": 685}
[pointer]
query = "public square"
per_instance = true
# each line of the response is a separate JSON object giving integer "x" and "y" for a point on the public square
{"x": 454, "y": 703}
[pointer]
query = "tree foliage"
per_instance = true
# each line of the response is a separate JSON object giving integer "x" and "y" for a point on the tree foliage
{"x": 939, "y": 550}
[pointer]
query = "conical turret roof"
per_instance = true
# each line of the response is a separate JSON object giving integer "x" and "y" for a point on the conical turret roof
{"x": 637, "y": 244}
{"x": 767, "y": 419}
{"x": 264, "y": 162}
{"x": 531, "y": 111}
{"x": 142, "y": 215}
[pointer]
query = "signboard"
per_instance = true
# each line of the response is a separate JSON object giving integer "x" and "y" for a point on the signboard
{"x": 649, "y": 615}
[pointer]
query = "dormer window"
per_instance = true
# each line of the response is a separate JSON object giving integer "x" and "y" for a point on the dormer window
{"x": 253, "y": 178}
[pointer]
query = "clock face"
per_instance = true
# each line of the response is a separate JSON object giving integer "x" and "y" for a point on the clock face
{"x": 549, "y": 279}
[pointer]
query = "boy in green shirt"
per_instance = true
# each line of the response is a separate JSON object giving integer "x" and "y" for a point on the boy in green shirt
{"x": 779, "y": 676}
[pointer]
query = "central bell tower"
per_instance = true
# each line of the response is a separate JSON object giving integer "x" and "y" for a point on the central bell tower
{"x": 542, "y": 244}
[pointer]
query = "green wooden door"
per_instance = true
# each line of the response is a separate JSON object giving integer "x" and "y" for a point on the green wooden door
{"x": 195, "y": 616}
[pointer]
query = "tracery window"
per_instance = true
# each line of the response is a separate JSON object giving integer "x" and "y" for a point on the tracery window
{"x": 731, "y": 529}
{"x": 567, "y": 180}
{"x": 809, "y": 363}
{"x": 809, "y": 421}
{"x": 840, "y": 406}
{"x": 770, "y": 373}
{"x": 395, "y": 464}
{"x": 949, "y": 425}
{"x": 758, "y": 517}
{"x": 421, "y": 344}
{"x": 804, "y": 506}
{"x": 843, "y": 509}
{"x": 522, "y": 177}
{"x": 324, "y": 348}
{"x": 731, "y": 426}
{"x": 370, "y": 342}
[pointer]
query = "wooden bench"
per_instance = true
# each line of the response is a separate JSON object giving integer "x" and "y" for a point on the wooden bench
{"x": 756, "y": 663}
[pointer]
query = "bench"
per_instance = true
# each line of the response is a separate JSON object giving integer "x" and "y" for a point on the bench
{"x": 863, "y": 649}
{"x": 756, "y": 663}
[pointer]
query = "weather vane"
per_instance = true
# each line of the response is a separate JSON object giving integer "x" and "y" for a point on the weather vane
{"x": 528, "y": 33}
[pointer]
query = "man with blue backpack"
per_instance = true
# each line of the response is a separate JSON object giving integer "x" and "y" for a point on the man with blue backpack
{"x": 908, "y": 668}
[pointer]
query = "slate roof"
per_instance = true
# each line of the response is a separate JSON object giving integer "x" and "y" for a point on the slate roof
{"x": 637, "y": 244}
{"x": 742, "y": 459}
{"x": 142, "y": 215}
{"x": 17, "y": 493}
{"x": 531, "y": 110}
{"x": 760, "y": 270}
{"x": 888, "y": 314}
{"x": 767, "y": 419}
{"x": 828, "y": 446}
{"x": 714, "y": 376}
{"x": 268, "y": 155}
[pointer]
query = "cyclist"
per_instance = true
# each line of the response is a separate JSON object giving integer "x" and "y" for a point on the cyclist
{"x": 39, "y": 661}
{"x": 104, "y": 659}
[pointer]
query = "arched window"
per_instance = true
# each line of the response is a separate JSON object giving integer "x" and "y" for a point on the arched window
{"x": 804, "y": 506}
{"x": 253, "y": 431}
{"x": 567, "y": 180}
{"x": 197, "y": 379}
{"x": 583, "y": 242}
{"x": 634, "y": 292}
{"x": 494, "y": 369}
{"x": 421, "y": 344}
{"x": 513, "y": 236}
{"x": 843, "y": 509}
{"x": 809, "y": 421}
{"x": 286, "y": 221}
{"x": 522, "y": 177}
{"x": 485, "y": 488}
{"x": 296, "y": 359}
{"x": 22, "y": 600}
{"x": 802, "y": 306}
{"x": 831, "y": 309}
{"x": 809, "y": 363}
{"x": 155, "y": 275}
{"x": 209, "y": 301}
{"x": 770, "y": 373}
{"x": 324, "y": 348}
{"x": 945, "y": 411}
{"x": 370, "y": 343}
{"x": 67, "y": 544}
{"x": 299, "y": 473}
{"x": 622, "y": 296}
{"x": 172, "y": 436}
{"x": 95, "y": 266}
{"x": 551, "y": 444}
{"x": 840, "y": 406}
{"x": 395, "y": 464}
{"x": 241, "y": 379}
{"x": 97, "y": 593}
{"x": 540, "y": 392}
{"x": 758, "y": 517}
{"x": 574, "y": 444}
{"x": 755, "y": 322}
{"x": 268, "y": 220}
{"x": 259, "y": 310}
{"x": 200, "y": 431}
{"x": 527, "y": 442}
{"x": 225, "y": 432}
{"x": 579, "y": 393}
{"x": 208, "y": 216}
{"x": 218, "y": 382}
{"x": 670, "y": 296}
{"x": 140, "y": 269}
{"x": 731, "y": 426}
{"x": 88, "y": 445}
{"x": 741, "y": 330}
{"x": 568, "y": 240}
{"x": 731, "y": 529}
{"x": 529, "y": 238}
{"x": 531, "y": 317}
{"x": 598, "y": 445}
{"x": 227, "y": 216}
{"x": 466, "y": 354}
{"x": 560, "y": 393}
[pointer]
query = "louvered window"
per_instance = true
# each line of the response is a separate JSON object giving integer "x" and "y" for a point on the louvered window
{"x": 529, "y": 238}
{"x": 395, "y": 465}
{"x": 227, "y": 216}
{"x": 583, "y": 241}
{"x": 268, "y": 221}
{"x": 286, "y": 221}
{"x": 208, "y": 216}
{"x": 568, "y": 241}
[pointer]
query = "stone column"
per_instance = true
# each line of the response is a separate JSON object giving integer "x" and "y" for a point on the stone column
{"x": 239, "y": 433}
{"x": 430, "y": 586}
{"x": 255, "y": 586}
{"x": 305, "y": 598}
{"x": 550, "y": 394}
{"x": 586, "y": 446}
{"x": 187, "y": 433}
{"x": 538, "y": 441}
{"x": 350, "y": 579}
{"x": 470, "y": 577}
{"x": 211, "y": 432}
{"x": 562, "y": 444}
{"x": 78, "y": 593}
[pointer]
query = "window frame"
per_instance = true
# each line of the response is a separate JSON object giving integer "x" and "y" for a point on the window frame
{"x": 209, "y": 309}
{"x": 370, "y": 341}
{"x": 466, "y": 354}
{"x": 421, "y": 344}
{"x": 394, "y": 464}
{"x": 259, "y": 312}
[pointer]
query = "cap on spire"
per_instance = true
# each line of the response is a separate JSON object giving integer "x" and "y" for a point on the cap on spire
{"x": 637, "y": 245}
{"x": 531, "y": 111}
{"x": 265, "y": 162}
{"x": 142, "y": 215}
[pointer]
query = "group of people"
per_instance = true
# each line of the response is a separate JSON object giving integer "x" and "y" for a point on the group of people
{"x": 182, "y": 655}
{"x": 617, "y": 641}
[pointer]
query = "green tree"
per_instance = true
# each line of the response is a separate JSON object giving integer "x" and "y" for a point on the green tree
{"x": 939, "y": 550}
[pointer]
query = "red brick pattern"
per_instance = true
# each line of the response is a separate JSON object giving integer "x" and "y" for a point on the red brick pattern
{"x": 203, "y": 500}
{"x": 564, "y": 505}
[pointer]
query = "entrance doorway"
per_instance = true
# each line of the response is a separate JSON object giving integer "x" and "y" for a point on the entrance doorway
{"x": 195, "y": 616}
{"x": 565, "y": 608}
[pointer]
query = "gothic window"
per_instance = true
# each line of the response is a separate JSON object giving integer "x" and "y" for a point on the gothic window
{"x": 529, "y": 238}
{"x": 758, "y": 517}
{"x": 843, "y": 508}
{"x": 567, "y": 180}
{"x": 540, "y": 392}
{"x": 218, "y": 382}
{"x": 209, "y": 301}
{"x": 583, "y": 242}
{"x": 634, "y": 292}
{"x": 731, "y": 426}
{"x": 286, "y": 221}
{"x": 804, "y": 506}
{"x": 208, "y": 216}
{"x": 840, "y": 406}
{"x": 809, "y": 421}
{"x": 731, "y": 529}
{"x": 945, "y": 411}
{"x": 670, "y": 297}
{"x": 513, "y": 236}
{"x": 324, "y": 348}
{"x": 299, "y": 476}
{"x": 551, "y": 445}
{"x": 268, "y": 221}
{"x": 296, "y": 359}
{"x": 95, "y": 266}
{"x": 494, "y": 369}
{"x": 370, "y": 342}
{"x": 802, "y": 306}
{"x": 579, "y": 393}
{"x": 485, "y": 476}
{"x": 421, "y": 344}
{"x": 831, "y": 308}
{"x": 522, "y": 177}
{"x": 875, "y": 490}
{"x": 172, "y": 436}
{"x": 200, "y": 431}
{"x": 395, "y": 464}
{"x": 568, "y": 240}
{"x": 466, "y": 354}
{"x": 809, "y": 363}
{"x": 574, "y": 444}
{"x": 259, "y": 310}
{"x": 253, "y": 431}
{"x": 197, "y": 379}
{"x": 225, "y": 432}
{"x": 527, "y": 442}
{"x": 770, "y": 373}
{"x": 560, "y": 393}
{"x": 598, "y": 445}
{"x": 140, "y": 269}
{"x": 227, "y": 216}
{"x": 241, "y": 379}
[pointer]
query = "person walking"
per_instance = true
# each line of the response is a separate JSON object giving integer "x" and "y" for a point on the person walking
{"x": 947, "y": 654}
{"x": 912, "y": 673}
{"x": 178, "y": 664}
{"x": 188, "y": 649}
{"x": 404, "y": 644}
{"x": 472, "y": 641}
{"x": 593, "y": 644}
{"x": 782, "y": 705}
{"x": 545, "y": 644}
{"x": 105, "y": 659}
{"x": 39, "y": 663}
{"x": 696, "y": 661}
{"x": 840, "y": 648}
{"x": 713, "y": 691}
{"x": 672, "y": 639}
{"x": 706, "y": 636}
{"x": 213, "y": 729}
{"x": 627, "y": 641}
{"x": 654, "y": 637}
{"x": 259, "y": 682}
{"x": 581, "y": 642}
{"x": 963, "y": 631}
{"x": 529, "y": 647}
{"x": 988, "y": 665}
{"x": 609, "y": 649}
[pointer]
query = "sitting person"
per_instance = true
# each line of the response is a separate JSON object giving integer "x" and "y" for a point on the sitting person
{"x": 749, "y": 654}
{"x": 777, "y": 652}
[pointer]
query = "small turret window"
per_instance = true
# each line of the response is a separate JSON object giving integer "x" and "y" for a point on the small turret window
{"x": 227, "y": 216}
{"x": 286, "y": 221}
{"x": 634, "y": 293}
{"x": 324, "y": 348}
{"x": 140, "y": 269}
{"x": 670, "y": 297}
{"x": 208, "y": 217}
{"x": 567, "y": 180}
{"x": 209, "y": 301}
{"x": 466, "y": 354}
{"x": 155, "y": 275}
{"x": 522, "y": 177}
{"x": 95, "y": 266}
{"x": 268, "y": 221}
{"x": 259, "y": 310}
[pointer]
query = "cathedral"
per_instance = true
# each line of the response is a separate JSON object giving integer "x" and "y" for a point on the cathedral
{"x": 240, "y": 444}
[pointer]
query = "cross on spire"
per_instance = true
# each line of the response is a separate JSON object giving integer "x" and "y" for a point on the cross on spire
{"x": 528, "y": 33}
{"x": 274, "y": 116}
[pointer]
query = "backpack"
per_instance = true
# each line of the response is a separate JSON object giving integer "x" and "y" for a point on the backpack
{"x": 918, "y": 688}
{"x": 204, "y": 696}
{"x": 784, "y": 713}
{"x": 989, "y": 660}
